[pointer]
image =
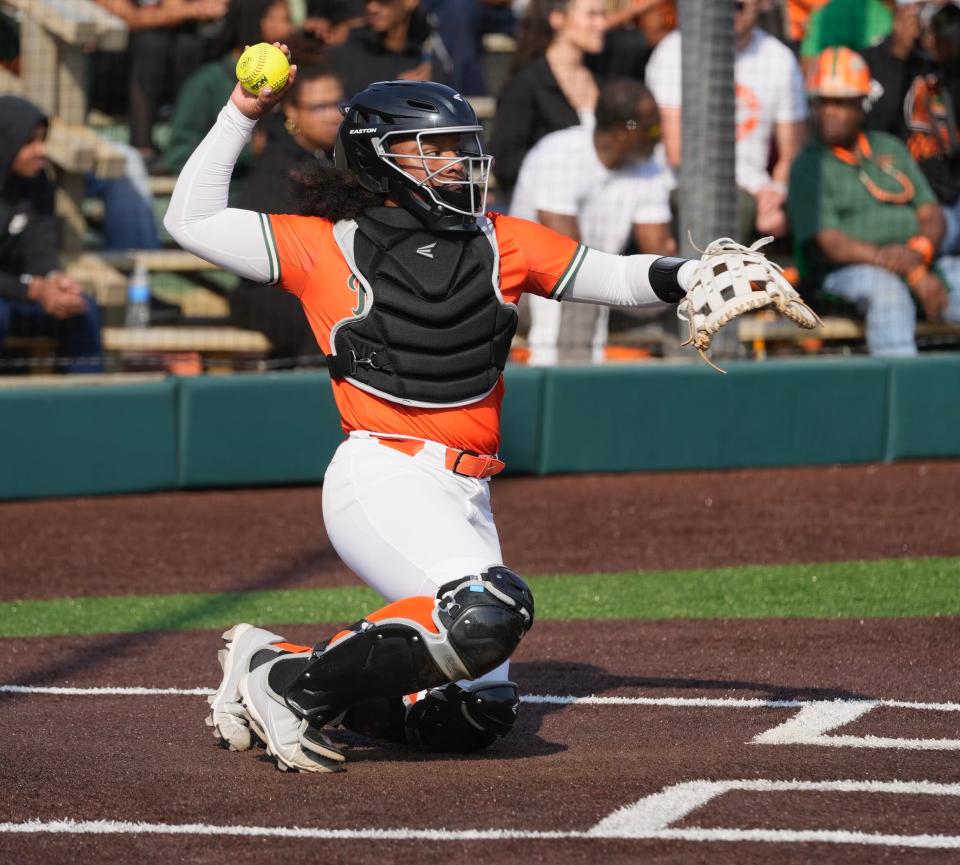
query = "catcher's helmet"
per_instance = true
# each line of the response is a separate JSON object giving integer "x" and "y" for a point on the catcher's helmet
{"x": 388, "y": 110}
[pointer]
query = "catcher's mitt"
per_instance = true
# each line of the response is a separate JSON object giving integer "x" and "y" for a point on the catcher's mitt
{"x": 733, "y": 279}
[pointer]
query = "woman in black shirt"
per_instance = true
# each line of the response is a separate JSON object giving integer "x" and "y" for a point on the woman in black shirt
{"x": 549, "y": 87}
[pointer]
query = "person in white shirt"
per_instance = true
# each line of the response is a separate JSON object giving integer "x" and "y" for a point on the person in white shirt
{"x": 596, "y": 184}
{"x": 770, "y": 107}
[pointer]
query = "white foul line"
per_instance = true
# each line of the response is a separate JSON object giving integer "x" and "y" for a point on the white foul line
{"x": 776, "y": 836}
{"x": 813, "y": 722}
{"x": 105, "y": 691}
{"x": 647, "y": 819}
{"x": 808, "y": 727}
{"x": 549, "y": 699}
{"x": 651, "y": 816}
{"x": 655, "y": 813}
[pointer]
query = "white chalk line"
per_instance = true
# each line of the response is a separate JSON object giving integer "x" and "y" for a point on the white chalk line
{"x": 658, "y": 811}
{"x": 811, "y": 726}
{"x": 549, "y": 699}
{"x": 776, "y": 836}
{"x": 646, "y": 820}
{"x": 106, "y": 691}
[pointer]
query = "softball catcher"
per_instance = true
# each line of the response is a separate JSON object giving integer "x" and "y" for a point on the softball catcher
{"x": 411, "y": 290}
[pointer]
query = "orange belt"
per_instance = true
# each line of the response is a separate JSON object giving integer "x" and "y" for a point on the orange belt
{"x": 467, "y": 463}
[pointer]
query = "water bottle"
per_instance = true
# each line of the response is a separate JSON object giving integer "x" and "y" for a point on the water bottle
{"x": 138, "y": 298}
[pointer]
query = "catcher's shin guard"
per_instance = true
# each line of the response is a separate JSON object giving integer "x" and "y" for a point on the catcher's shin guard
{"x": 471, "y": 627}
{"x": 462, "y": 719}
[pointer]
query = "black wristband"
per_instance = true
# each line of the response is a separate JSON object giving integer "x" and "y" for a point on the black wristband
{"x": 663, "y": 279}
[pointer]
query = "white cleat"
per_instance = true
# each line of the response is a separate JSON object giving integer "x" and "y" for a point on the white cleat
{"x": 290, "y": 739}
{"x": 227, "y": 716}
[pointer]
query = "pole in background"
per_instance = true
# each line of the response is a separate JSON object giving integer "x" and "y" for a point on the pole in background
{"x": 708, "y": 188}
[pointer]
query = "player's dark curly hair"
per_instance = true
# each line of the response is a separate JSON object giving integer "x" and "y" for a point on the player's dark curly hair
{"x": 333, "y": 193}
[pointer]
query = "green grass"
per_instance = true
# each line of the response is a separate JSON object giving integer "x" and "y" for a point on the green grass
{"x": 901, "y": 587}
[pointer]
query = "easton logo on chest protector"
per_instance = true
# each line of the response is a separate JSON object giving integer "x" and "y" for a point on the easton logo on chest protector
{"x": 429, "y": 327}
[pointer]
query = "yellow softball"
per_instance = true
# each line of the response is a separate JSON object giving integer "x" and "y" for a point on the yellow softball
{"x": 262, "y": 65}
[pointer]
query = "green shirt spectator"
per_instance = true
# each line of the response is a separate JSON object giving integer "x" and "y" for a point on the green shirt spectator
{"x": 858, "y": 24}
{"x": 206, "y": 91}
{"x": 828, "y": 193}
{"x": 198, "y": 104}
{"x": 865, "y": 216}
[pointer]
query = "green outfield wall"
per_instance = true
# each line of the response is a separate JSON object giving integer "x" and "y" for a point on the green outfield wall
{"x": 282, "y": 428}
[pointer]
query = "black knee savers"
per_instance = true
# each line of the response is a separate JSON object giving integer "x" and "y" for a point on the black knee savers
{"x": 486, "y": 619}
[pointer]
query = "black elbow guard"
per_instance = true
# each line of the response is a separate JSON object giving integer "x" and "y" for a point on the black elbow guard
{"x": 663, "y": 279}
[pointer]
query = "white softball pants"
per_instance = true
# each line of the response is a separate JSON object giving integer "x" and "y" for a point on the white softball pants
{"x": 405, "y": 524}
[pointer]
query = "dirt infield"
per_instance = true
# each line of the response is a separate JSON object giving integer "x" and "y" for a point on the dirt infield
{"x": 565, "y": 768}
{"x": 268, "y": 539}
{"x": 800, "y": 732}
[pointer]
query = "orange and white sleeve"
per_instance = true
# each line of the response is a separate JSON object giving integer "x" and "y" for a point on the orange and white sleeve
{"x": 559, "y": 268}
{"x": 542, "y": 261}
{"x": 294, "y": 243}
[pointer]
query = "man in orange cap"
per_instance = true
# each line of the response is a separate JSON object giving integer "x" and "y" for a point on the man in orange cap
{"x": 865, "y": 221}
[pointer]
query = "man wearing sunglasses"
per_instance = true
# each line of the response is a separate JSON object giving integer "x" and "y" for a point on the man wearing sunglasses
{"x": 600, "y": 186}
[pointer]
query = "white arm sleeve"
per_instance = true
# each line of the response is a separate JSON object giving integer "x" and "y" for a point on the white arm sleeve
{"x": 621, "y": 280}
{"x": 198, "y": 217}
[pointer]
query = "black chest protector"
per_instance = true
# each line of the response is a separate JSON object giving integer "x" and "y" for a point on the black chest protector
{"x": 433, "y": 331}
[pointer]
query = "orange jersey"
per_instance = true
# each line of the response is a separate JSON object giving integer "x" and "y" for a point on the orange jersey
{"x": 532, "y": 258}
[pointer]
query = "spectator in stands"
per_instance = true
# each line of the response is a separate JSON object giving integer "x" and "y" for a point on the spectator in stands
{"x": 330, "y": 21}
{"x": 857, "y": 24}
{"x": 459, "y": 26}
{"x": 917, "y": 69}
{"x": 128, "y": 217}
{"x": 166, "y": 45}
{"x": 770, "y": 108}
{"x": 596, "y": 185}
{"x": 394, "y": 43}
{"x": 9, "y": 43}
{"x": 632, "y": 34}
{"x": 311, "y": 121}
{"x": 798, "y": 14}
{"x": 204, "y": 93}
{"x": 550, "y": 86}
{"x": 866, "y": 223}
{"x": 36, "y": 297}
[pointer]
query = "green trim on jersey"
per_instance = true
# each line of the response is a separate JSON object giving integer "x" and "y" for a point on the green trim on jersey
{"x": 567, "y": 277}
{"x": 269, "y": 241}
